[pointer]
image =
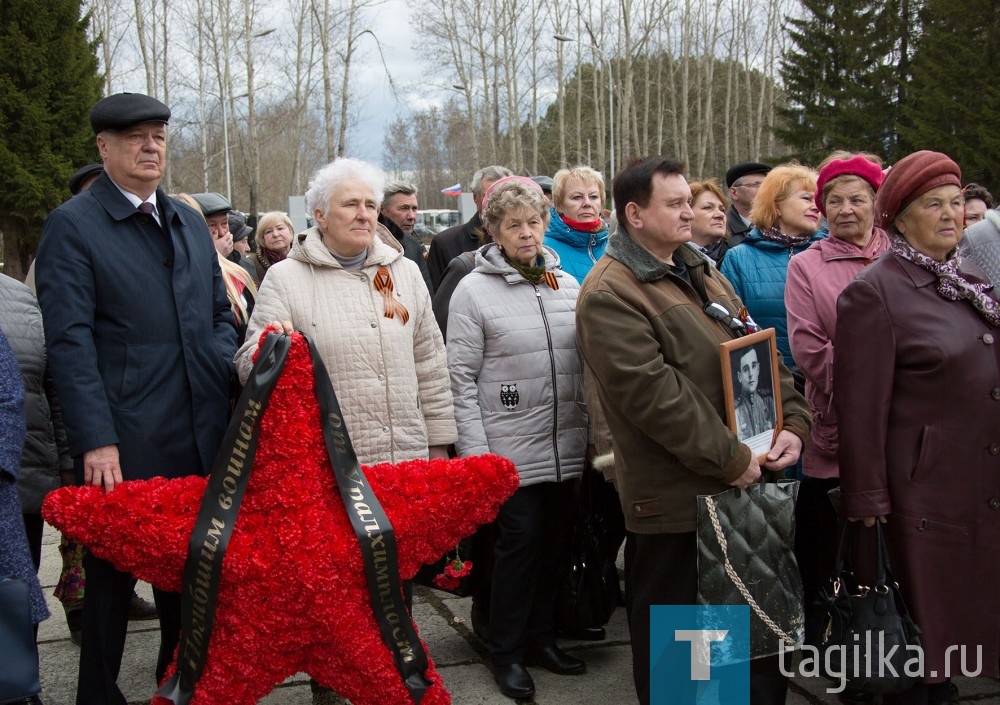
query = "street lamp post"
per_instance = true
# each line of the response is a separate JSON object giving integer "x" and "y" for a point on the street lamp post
{"x": 225, "y": 146}
{"x": 560, "y": 95}
{"x": 611, "y": 100}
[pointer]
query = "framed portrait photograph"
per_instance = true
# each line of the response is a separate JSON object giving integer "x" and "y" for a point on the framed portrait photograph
{"x": 750, "y": 383}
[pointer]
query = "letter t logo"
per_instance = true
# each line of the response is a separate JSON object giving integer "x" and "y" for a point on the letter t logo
{"x": 701, "y": 666}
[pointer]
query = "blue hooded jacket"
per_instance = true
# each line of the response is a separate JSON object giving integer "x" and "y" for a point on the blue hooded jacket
{"x": 578, "y": 251}
{"x": 757, "y": 269}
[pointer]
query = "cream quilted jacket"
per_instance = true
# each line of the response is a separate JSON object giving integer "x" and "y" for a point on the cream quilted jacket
{"x": 391, "y": 378}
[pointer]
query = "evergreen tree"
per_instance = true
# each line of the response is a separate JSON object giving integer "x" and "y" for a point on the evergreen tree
{"x": 953, "y": 104}
{"x": 48, "y": 83}
{"x": 840, "y": 78}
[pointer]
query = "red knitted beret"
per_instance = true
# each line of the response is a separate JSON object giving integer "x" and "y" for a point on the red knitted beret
{"x": 911, "y": 177}
{"x": 855, "y": 166}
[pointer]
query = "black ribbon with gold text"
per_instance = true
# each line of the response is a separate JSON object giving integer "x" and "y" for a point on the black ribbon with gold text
{"x": 376, "y": 537}
{"x": 214, "y": 526}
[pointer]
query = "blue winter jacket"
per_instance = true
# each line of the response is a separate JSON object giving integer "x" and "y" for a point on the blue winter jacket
{"x": 577, "y": 250}
{"x": 757, "y": 269}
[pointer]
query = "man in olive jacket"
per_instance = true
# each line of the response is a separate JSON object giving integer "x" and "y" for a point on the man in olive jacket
{"x": 654, "y": 352}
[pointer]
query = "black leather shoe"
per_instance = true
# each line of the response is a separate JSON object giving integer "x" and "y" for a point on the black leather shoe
{"x": 554, "y": 659}
{"x": 853, "y": 696}
{"x": 584, "y": 634}
{"x": 514, "y": 680}
{"x": 942, "y": 693}
{"x": 140, "y": 609}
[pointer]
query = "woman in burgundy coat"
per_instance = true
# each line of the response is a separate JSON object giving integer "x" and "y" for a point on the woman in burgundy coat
{"x": 917, "y": 395}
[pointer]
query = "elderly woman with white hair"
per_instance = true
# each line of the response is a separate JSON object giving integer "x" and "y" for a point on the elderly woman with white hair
{"x": 346, "y": 284}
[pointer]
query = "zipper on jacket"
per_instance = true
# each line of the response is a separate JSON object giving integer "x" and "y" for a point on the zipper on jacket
{"x": 590, "y": 248}
{"x": 555, "y": 391}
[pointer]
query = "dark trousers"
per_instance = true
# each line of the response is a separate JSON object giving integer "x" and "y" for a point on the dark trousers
{"x": 816, "y": 536}
{"x": 33, "y": 526}
{"x": 531, "y": 551}
{"x": 662, "y": 569}
{"x": 105, "y": 621}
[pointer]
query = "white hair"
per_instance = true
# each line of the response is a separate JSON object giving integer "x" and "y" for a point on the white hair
{"x": 327, "y": 178}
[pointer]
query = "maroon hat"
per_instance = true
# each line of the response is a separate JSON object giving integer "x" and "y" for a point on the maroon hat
{"x": 913, "y": 176}
{"x": 855, "y": 166}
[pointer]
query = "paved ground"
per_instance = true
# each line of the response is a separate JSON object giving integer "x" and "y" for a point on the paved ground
{"x": 444, "y": 623}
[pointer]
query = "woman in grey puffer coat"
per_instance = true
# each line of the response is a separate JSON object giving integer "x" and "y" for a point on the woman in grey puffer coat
{"x": 517, "y": 383}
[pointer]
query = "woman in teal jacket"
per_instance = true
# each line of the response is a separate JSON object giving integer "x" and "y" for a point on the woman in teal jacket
{"x": 786, "y": 222}
{"x": 576, "y": 231}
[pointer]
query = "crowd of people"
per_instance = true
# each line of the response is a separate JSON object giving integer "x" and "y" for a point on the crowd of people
{"x": 550, "y": 330}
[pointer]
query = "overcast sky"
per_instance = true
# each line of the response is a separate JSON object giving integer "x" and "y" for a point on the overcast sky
{"x": 378, "y": 105}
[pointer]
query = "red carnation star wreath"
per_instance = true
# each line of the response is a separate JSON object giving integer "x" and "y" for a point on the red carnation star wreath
{"x": 293, "y": 595}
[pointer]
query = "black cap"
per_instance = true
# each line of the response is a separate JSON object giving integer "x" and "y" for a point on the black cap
{"x": 738, "y": 171}
{"x": 544, "y": 181}
{"x": 238, "y": 225}
{"x": 212, "y": 203}
{"x": 82, "y": 175}
{"x": 121, "y": 110}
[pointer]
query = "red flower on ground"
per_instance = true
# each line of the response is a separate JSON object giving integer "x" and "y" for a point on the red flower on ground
{"x": 293, "y": 595}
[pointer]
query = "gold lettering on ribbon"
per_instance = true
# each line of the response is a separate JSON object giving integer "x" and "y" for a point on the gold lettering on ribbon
{"x": 198, "y": 592}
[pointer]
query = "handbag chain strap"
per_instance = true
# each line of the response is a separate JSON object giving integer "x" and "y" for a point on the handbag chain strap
{"x": 731, "y": 572}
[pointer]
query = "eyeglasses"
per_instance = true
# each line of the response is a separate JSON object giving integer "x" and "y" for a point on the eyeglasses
{"x": 753, "y": 185}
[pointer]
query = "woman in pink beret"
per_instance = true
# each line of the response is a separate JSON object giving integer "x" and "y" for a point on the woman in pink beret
{"x": 845, "y": 195}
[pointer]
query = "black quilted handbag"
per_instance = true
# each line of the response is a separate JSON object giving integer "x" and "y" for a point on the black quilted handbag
{"x": 19, "y": 674}
{"x": 745, "y": 540}
{"x": 864, "y": 621}
{"x": 589, "y": 590}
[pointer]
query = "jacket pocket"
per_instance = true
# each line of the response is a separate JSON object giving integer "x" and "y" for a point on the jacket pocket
{"x": 136, "y": 359}
{"x": 928, "y": 453}
{"x": 644, "y": 508}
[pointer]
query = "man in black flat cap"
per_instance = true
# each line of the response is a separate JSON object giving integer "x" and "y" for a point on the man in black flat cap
{"x": 241, "y": 233}
{"x": 216, "y": 207}
{"x": 743, "y": 180}
{"x": 140, "y": 339}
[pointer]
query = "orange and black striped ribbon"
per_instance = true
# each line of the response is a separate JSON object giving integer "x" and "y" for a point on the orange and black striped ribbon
{"x": 383, "y": 285}
{"x": 551, "y": 280}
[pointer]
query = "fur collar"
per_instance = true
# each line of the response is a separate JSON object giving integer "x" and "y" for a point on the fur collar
{"x": 642, "y": 263}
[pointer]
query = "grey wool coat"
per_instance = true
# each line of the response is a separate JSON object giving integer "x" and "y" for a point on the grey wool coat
{"x": 516, "y": 372}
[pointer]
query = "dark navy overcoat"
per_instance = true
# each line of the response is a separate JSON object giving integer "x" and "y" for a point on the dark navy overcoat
{"x": 139, "y": 331}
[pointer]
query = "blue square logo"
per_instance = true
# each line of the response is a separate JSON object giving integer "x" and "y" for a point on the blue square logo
{"x": 699, "y": 654}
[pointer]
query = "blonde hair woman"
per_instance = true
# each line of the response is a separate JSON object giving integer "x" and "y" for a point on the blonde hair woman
{"x": 576, "y": 231}
{"x": 274, "y": 241}
{"x": 786, "y": 221}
